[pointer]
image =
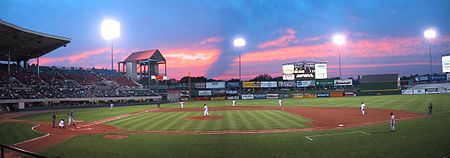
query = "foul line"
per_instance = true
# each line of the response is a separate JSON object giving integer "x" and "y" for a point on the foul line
{"x": 337, "y": 134}
{"x": 32, "y": 128}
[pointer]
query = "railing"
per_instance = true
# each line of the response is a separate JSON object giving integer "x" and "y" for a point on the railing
{"x": 29, "y": 153}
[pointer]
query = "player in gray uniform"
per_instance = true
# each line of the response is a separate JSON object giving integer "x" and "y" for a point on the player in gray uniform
{"x": 430, "y": 109}
{"x": 392, "y": 122}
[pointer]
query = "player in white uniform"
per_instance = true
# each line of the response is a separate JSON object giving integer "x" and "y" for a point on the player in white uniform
{"x": 363, "y": 108}
{"x": 205, "y": 110}
{"x": 234, "y": 102}
{"x": 182, "y": 104}
{"x": 111, "y": 106}
{"x": 392, "y": 122}
{"x": 279, "y": 102}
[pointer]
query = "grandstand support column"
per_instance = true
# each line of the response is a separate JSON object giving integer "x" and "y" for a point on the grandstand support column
{"x": 38, "y": 72}
{"x": 165, "y": 69}
{"x": 9, "y": 66}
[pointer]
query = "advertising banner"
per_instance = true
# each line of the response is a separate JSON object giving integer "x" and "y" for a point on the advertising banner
{"x": 215, "y": 85}
{"x": 446, "y": 63}
{"x": 259, "y": 96}
{"x": 297, "y": 95}
{"x": 286, "y": 84}
{"x": 407, "y": 91}
{"x": 306, "y": 83}
{"x": 200, "y": 85}
{"x": 431, "y": 91}
{"x": 350, "y": 94}
{"x": 251, "y": 84}
{"x": 247, "y": 96}
{"x": 234, "y": 97}
{"x": 204, "y": 93}
{"x": 272, "y": 96}
{"x": 439, "y": 77}
{"x": 344, "y": 82}
{"x": 319, "y": 95}
{"x": 217, "y": 98}
{"x": 324, "y": 83}
{"x": 309, "y": 95}
{"x": 288, "y": 77}
{"x": 321, "y": 71}
{"x": 231, "y": 92}
{"x": 268, "y": 84}
{"x": 233, "y": 84}
{"x": 218, "y": 92}
{"x": 419, "y": 91}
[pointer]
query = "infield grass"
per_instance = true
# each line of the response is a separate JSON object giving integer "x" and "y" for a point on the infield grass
{"x": 233, "y": 120}
{"x": 14, "y": 132}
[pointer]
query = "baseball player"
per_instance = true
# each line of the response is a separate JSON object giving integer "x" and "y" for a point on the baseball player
{"x": 71, "y": 120}
{"x": 234, "y": 102}
{"x": 363, "y": 108}
{"x": 61, "y": 123}
{"x": 205, "y": 110}
{"x": 392, "y": 122}
{"x": 54, "y": 120}
{"x": 430, "y": 109}
{"x": 182, "y": 104}
{"x": 111, "y": 106}
{"x": 279, "y": 102}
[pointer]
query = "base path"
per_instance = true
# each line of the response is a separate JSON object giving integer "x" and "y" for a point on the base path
{"x": 322, "y": 118}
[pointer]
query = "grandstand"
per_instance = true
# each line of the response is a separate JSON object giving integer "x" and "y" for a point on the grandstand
{"x": 23, "y": 84}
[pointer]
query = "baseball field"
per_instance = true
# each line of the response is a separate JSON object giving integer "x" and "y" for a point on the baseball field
{"x": 254, "y": 128}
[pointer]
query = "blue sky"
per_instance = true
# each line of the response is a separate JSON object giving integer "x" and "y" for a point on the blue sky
{"x": 196, "y": 35}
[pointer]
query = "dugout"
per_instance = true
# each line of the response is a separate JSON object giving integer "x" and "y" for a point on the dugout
{"x": 380, "y": 84}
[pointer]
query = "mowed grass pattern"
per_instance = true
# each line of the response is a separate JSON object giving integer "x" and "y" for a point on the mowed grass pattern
{"x": 14, "y": 132}
{"x": 89, "y": 114}
{"x": 233, "y": 120}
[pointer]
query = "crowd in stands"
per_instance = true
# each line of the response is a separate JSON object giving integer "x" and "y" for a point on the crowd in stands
{"x": 56, "y": 82}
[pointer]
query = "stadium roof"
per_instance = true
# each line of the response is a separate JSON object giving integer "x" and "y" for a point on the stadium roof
{"x": 26, "y": 44}
{"x": 152, "y": 55}
{"x": 379, "y": 78}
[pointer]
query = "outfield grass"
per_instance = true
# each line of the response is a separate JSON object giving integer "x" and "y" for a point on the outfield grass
{"x": 417, "y": 103}
{"x": 91, "y": 114}
{"x": 233, "y": 120}
{"x": 14, "y": 132}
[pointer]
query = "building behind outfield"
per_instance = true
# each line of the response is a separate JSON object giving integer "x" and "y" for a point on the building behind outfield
{"x": 380, "y": 84}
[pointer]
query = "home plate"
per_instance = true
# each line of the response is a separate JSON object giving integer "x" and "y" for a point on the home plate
{"x": 341, "y": 125}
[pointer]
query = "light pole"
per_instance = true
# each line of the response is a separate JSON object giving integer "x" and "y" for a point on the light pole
{"x": 110, "y": 30}
{"x": 430, "y": 34}
{"x": 339, "y": 40}
{"x": 239, "y": 42}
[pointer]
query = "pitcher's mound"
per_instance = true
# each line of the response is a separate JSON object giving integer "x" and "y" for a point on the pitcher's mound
{"x": 204, "y": 118}
{"x": 115, "y": 136}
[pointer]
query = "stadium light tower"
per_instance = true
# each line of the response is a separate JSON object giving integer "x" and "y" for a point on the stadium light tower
{"x": 239, "y": 42}
{"x": 430, "y": 34}
{"x": 110, "y": 30}
{"x": 339, "y": 40}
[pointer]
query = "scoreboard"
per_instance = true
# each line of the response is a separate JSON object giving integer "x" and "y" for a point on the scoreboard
{"x": 304, "y": 71}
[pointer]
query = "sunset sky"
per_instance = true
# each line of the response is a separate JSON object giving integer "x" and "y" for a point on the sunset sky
{"x": 383, "y": 36}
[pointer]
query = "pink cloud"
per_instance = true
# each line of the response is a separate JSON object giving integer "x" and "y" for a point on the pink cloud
{"x": 211, "y": 40}
{"x": 284, "y": 40}
{"x": 366, "y": 48}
